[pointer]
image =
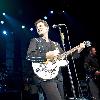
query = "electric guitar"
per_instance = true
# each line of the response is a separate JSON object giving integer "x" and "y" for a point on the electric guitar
{"x": 49, "y": 69}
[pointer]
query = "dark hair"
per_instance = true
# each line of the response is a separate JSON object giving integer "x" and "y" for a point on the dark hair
{"x": 43, "y": 21}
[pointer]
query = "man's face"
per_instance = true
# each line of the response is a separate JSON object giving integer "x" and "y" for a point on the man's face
{"x": 93, "y": 51}
{"x": 42, "y": 29}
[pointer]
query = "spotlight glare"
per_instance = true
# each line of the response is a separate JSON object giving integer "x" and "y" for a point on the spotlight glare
{"x": 51, "y": 12}
{"x": 45, "y": 17}
{"x": 4, "y": 32}
{"x": 63, "y": 11}
{"x": 31, "y": 29}
{"x": 4, "y": 14}
{"x": 23, "y": 26}
{"x": 2, "y": 22}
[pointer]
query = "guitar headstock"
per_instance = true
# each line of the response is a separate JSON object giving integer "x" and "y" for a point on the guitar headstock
{"x": 87, "y": 43}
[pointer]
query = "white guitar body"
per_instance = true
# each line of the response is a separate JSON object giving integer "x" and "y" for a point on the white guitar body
{"x": 49, "y": 70}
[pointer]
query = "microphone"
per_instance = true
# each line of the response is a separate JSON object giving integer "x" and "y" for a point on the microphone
{"x": 54, "y": 26}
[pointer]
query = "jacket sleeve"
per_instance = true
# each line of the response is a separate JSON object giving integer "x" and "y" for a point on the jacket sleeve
{"x": 33, "y": 53}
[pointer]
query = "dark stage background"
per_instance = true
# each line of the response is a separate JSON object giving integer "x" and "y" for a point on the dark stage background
{"x": 81, "y": 18}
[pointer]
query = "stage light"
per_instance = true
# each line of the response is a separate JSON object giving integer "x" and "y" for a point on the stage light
{"x": 31, "y": 29}
{"x": 2, "y": 22}
{"x": 51, "y": 12}
{"x": 3, "y": 14}
{"x": 23, "y": 26}
{"x": 4, "y": 32}
{"x": 63, "y": 11}
{"x": 45, "y": 17}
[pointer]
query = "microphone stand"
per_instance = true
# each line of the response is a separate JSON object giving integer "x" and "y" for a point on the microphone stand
{"x": 69, "y": 71}
{"x": 79, "y": 87}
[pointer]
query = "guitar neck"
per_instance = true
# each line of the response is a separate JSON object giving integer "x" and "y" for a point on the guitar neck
{"x": 62, "y": 56}
{"x": 72, "y": 50}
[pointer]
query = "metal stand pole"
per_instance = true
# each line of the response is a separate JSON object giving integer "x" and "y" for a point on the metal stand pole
{"x": 69, "y": 71}
{"x": 79, "y": 87}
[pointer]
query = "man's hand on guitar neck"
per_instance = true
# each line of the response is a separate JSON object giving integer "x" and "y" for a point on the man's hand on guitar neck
{"x": 81, "y": 47}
